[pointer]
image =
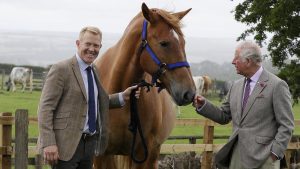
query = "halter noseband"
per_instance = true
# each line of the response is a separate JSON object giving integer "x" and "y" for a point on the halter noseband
{"x": 163, "y": 67}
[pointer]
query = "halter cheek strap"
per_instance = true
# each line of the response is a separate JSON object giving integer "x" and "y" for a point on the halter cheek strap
{"x": 162, "y": 66}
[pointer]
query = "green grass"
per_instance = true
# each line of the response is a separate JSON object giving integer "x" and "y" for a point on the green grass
{"x": 10, "y": 102}
{"x": 189, "y": 112}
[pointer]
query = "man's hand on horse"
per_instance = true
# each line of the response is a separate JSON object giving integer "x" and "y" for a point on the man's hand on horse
{"x": 199, "y": 101}
{"x": 126, "y": 93}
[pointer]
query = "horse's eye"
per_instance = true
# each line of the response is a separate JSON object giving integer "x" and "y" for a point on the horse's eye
{"x": 164, "y": 44}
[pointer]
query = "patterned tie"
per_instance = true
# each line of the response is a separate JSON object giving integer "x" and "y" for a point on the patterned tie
{"x": 247, "y": 93}
{"x": 91, "y": 109}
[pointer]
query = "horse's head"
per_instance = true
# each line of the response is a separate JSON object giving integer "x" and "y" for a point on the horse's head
{"x": 163, "y": 55}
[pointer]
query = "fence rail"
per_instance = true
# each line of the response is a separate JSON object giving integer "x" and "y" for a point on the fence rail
{"x": 38, "y": 80}
{"x": 20, "y": 149}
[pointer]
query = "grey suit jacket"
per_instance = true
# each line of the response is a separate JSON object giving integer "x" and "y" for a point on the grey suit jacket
{"x": 265, "y": 125}
{"x": 63, "y": 108}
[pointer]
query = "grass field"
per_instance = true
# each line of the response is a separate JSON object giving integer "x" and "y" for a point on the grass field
{"x": 189, "y": 112}
{"x": 10, "y": 102}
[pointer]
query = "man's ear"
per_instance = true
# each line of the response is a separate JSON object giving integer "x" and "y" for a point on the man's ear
{"x": 77, "y": 43}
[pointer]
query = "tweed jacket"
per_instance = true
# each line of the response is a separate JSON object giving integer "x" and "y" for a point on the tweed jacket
{"x": 63, "y": 109}
{"x": 265, "y": 125}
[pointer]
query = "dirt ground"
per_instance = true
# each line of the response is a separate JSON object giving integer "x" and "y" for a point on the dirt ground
{"x": 180, "y": 161}
{"x": 193, "y": 161}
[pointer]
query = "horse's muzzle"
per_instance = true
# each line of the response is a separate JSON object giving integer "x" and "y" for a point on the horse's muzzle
{"x": 187, "y": 98}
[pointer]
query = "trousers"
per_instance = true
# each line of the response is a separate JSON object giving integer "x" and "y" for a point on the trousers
{"x": 235, "y": 162}
{"x": 83, "y": 156}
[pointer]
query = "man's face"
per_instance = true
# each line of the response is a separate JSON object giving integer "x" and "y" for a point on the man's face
{"x": 241, "y": 65}
{"x": 88, "y": 47}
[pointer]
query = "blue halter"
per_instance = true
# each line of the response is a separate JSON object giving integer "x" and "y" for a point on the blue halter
{"x": 162, "y": 66}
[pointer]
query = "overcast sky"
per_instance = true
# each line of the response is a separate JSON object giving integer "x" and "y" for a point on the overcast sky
{"x": 208, "y": 18}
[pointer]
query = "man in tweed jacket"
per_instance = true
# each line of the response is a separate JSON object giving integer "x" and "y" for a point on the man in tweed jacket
{"x": 65, "y": 140}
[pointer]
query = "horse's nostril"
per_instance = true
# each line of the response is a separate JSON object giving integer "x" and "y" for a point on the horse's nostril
{"x": 188, "y": 96}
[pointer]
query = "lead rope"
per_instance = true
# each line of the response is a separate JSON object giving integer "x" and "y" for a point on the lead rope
{"x": 135, "y": 124}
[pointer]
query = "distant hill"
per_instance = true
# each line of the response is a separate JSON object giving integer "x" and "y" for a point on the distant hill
{"x": 208, "y": 55}
{"x": 45, "y": 48}
{"x": 225, "y": 71}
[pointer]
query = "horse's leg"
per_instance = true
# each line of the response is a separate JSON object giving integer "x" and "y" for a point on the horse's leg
{"x": 31, "y": 87}
{"x": 153, "y": 158}
{"x": 104, "y": 162}
{"x": 24, "y": 86}
{"x": 151, "y": 162}
{"x": 13, "y": 86}
{"x": 8, "y": 86}
{"x": 153, "y": 155}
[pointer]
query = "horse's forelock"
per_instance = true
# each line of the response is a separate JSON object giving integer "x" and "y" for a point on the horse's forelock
{"x": 172, "y": 20}
{"x": 168, "y": 17}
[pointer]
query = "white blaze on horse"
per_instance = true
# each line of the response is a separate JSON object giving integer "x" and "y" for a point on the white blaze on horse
{"x": 20, "y": 75}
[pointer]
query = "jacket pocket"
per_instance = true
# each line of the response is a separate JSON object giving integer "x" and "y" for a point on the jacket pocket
{"x": 61, "y": 120}
{"x": 263, "y": 140}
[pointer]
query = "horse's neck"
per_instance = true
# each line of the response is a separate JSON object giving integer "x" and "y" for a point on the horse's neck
{"x": 126, "y": 68}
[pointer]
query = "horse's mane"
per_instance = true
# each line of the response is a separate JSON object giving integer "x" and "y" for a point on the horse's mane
{"x": 172, "y": 20}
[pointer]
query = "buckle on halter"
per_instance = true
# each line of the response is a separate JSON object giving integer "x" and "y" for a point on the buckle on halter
{"x": 144, "y": 43}
{"x": 163, "y": 68}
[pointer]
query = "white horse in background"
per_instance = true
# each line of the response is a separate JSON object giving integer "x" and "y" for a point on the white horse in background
{"x": 199, "y": 83}
{"x": 22, "y": 76}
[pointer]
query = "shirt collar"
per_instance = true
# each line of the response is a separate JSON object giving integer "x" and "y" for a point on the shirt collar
{"x": 81, "y": 63}
{"x": 256, "y": 76}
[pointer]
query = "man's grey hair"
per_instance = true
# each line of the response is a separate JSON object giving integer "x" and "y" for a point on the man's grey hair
{"x": 250, "y": 50}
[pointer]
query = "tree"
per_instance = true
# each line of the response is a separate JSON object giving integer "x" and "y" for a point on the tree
{"x": 280, "y": 20}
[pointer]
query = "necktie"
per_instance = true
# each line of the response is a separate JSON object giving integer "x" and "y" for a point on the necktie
{"x": 91, "y": 95}
{"x": 246, "y": 93}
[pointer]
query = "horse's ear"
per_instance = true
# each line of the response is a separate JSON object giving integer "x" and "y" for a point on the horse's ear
{"x": 147, "y": 13}
{"x": 180, "y": 15}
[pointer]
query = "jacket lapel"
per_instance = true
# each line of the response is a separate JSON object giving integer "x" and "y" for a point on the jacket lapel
{"x": 258, "y": 88}
{"x": 240, "y": 88}
{"x": 96, "y": 76}
{"x": 78, "y": 76}
{"x": 102, "y": 96}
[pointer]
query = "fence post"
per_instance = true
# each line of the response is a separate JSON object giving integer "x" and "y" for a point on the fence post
{"x": 21, "y": 141}
{"x": 6, "y": 142}
{"x": 38, "y": 162}
{"x": 207, "y": 139}
{"x": 192, "y": 140}
{"x": 3, "y": 78}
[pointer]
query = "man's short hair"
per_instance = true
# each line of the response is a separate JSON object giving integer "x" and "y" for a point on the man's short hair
{"x": 92, "y": 29}
{"x": 250, "y": 50}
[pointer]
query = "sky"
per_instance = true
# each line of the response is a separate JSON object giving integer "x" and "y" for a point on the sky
{"x": 208, "y": 18}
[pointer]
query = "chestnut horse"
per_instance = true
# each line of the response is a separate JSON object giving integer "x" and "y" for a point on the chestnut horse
{"x": 128, "y": 62}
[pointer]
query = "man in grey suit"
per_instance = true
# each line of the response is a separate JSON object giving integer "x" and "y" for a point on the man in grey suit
{"x": 73, "y": 109}
{"x": 259, "y": 106}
